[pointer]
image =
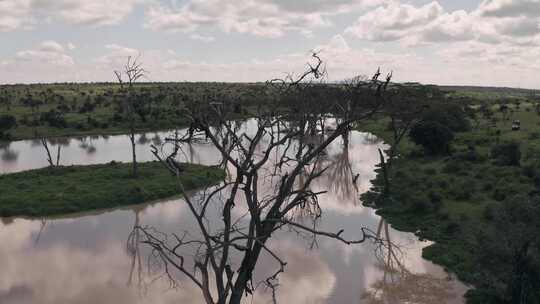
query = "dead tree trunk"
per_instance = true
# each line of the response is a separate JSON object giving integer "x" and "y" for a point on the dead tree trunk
{"x": 132, "y": 71}
{"x": 254, "y": 156}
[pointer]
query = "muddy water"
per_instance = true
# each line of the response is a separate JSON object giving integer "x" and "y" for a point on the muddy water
{"x": 84, "y": 258}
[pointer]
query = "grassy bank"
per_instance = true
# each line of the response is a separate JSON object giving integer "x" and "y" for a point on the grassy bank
{"x": 50, "y": 110}
{"x": 54, "y": 191}
{"x": 453, "y": 200}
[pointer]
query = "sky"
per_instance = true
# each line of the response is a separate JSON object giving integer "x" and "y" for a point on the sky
{"x": 454, "y": 42}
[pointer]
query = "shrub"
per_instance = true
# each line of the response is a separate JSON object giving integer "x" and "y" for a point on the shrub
{"x": 487, "y": 187}
{"x": 7, "y": 122}
{"x": 443, "y": 183}
{"x": 87, "y": 107}
{"x": 499, "y": 194}
{"x": 490, "y": 211}
{"x": 54, "y": 119}
{"x": 436, "y": 200}
{"x": 452, "y": 227}
{"x": 506, "y": 154}
{"x": 463, "y": 191}
{"x": 450, "y": 115}
{"x": 452, "y": 166}
{"x": 434, "y": 137}
{"x": 534, "y": 135}
{"x": 430, "y": 171}
{"x": 420, "y": 203}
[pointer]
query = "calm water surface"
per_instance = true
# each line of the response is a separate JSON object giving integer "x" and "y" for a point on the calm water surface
{"x": 84, "y": 258}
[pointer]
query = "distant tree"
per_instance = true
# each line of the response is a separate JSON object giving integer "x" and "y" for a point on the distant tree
{"x": 49, "y": 155}
{"x": 505, "y": 112}
{"x": 5, "y": 99}
{"x": 142, "y": 104}
{"x": 404, "y": 106}
{"x": 451, "y": 115}
{"x": 7, "y": 122}
{"x": 434, "y": 137}
{"x": 54, "y": 118}
{"x": 506, "y": 154}
{"x": 510, "y": 253}
{"x": 131, "y": 73}
{"x": 486, "y": 111}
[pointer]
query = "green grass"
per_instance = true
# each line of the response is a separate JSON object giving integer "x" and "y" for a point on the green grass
{"x": 62, "y": 190}
{"x": 466, "y": 190}
{"x": 164, "y": 105}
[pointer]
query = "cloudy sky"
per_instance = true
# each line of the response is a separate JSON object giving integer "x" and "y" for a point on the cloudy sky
{"x": 473, "y": 42}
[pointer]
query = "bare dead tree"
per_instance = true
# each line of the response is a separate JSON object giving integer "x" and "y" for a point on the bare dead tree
{"x": 49, "y": 156}
{"x": 130, "y": 73}
{"x": 286, "y": 144}
{"x": 404, "y": 107}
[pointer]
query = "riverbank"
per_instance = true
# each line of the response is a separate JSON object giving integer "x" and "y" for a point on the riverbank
{"x": 29, "y": 133}
{"x": 456, "y": 200}
{"x": 53, "y": 110}
{"x": 70, "y": 189}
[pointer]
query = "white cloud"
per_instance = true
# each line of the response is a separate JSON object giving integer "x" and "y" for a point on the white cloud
{"x": 206, "y": 39}
{"x": 258, "y": 17}
{"x": 493, "y": 21}
{"x": 14, "y": 14}
{"x": 394, "y": 21}
{"x": 95, "y": 12}
{"x": 51, "y": 46}
{"x": 117, "y": 55}
{"x": 48, "y": 53}
{"x": 24, "y": 14}
{"x": 510, "y": 8}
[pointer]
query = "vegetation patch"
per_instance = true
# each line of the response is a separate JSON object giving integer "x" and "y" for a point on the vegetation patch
{"x": 68, "y": 109}
{"x": 478, "y": 201}
{"x": 61, "y": 190}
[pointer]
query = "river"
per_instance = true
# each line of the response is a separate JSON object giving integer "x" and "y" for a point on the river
{"x": 83, "y": 258}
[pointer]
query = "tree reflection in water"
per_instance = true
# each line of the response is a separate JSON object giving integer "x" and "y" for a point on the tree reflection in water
{"x": 341, "y": 178}
{"x": 43, "y": 223}
{"x": 143, "y": 139}
{"x": 400, "y": 285}
{"x": 156, "y": 140}
{"x": 133, "y": 250}
{"x": 9, "y": 155}
{"x": 87, "y": 145}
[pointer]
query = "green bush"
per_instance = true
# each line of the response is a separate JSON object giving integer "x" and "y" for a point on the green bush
{"x": 434, "y": 137}
{"x": 490, "y": 211}
{"x": 421, "y": 203}
{"x": 506, "y": 154}
{"x": 7, "y": 122}
{"x": 450, "y": 115}
{"x": 436, "y": 200}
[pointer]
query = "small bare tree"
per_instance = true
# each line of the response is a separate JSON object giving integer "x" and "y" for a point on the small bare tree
{"x": 127, "y": 77}
{"x": 48, "y": 151}
{"x": 403, "y": 108}
{"x": 286, "y": 145}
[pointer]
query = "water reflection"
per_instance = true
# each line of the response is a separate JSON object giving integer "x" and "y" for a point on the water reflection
{"x": 95, "y": 258}
{"x": 401, "y": 285}
{"x": 133, "y": 249}
{"x": 341, "y": 178}
{"x": 8, "y": 155}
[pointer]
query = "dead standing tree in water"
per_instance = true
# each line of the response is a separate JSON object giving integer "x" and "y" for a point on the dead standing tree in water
{"x": 404, "y": 107}
{"x": 49, "y": 155}
{"x": 276, "y": 153}
{"x": 130, "y": 73}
